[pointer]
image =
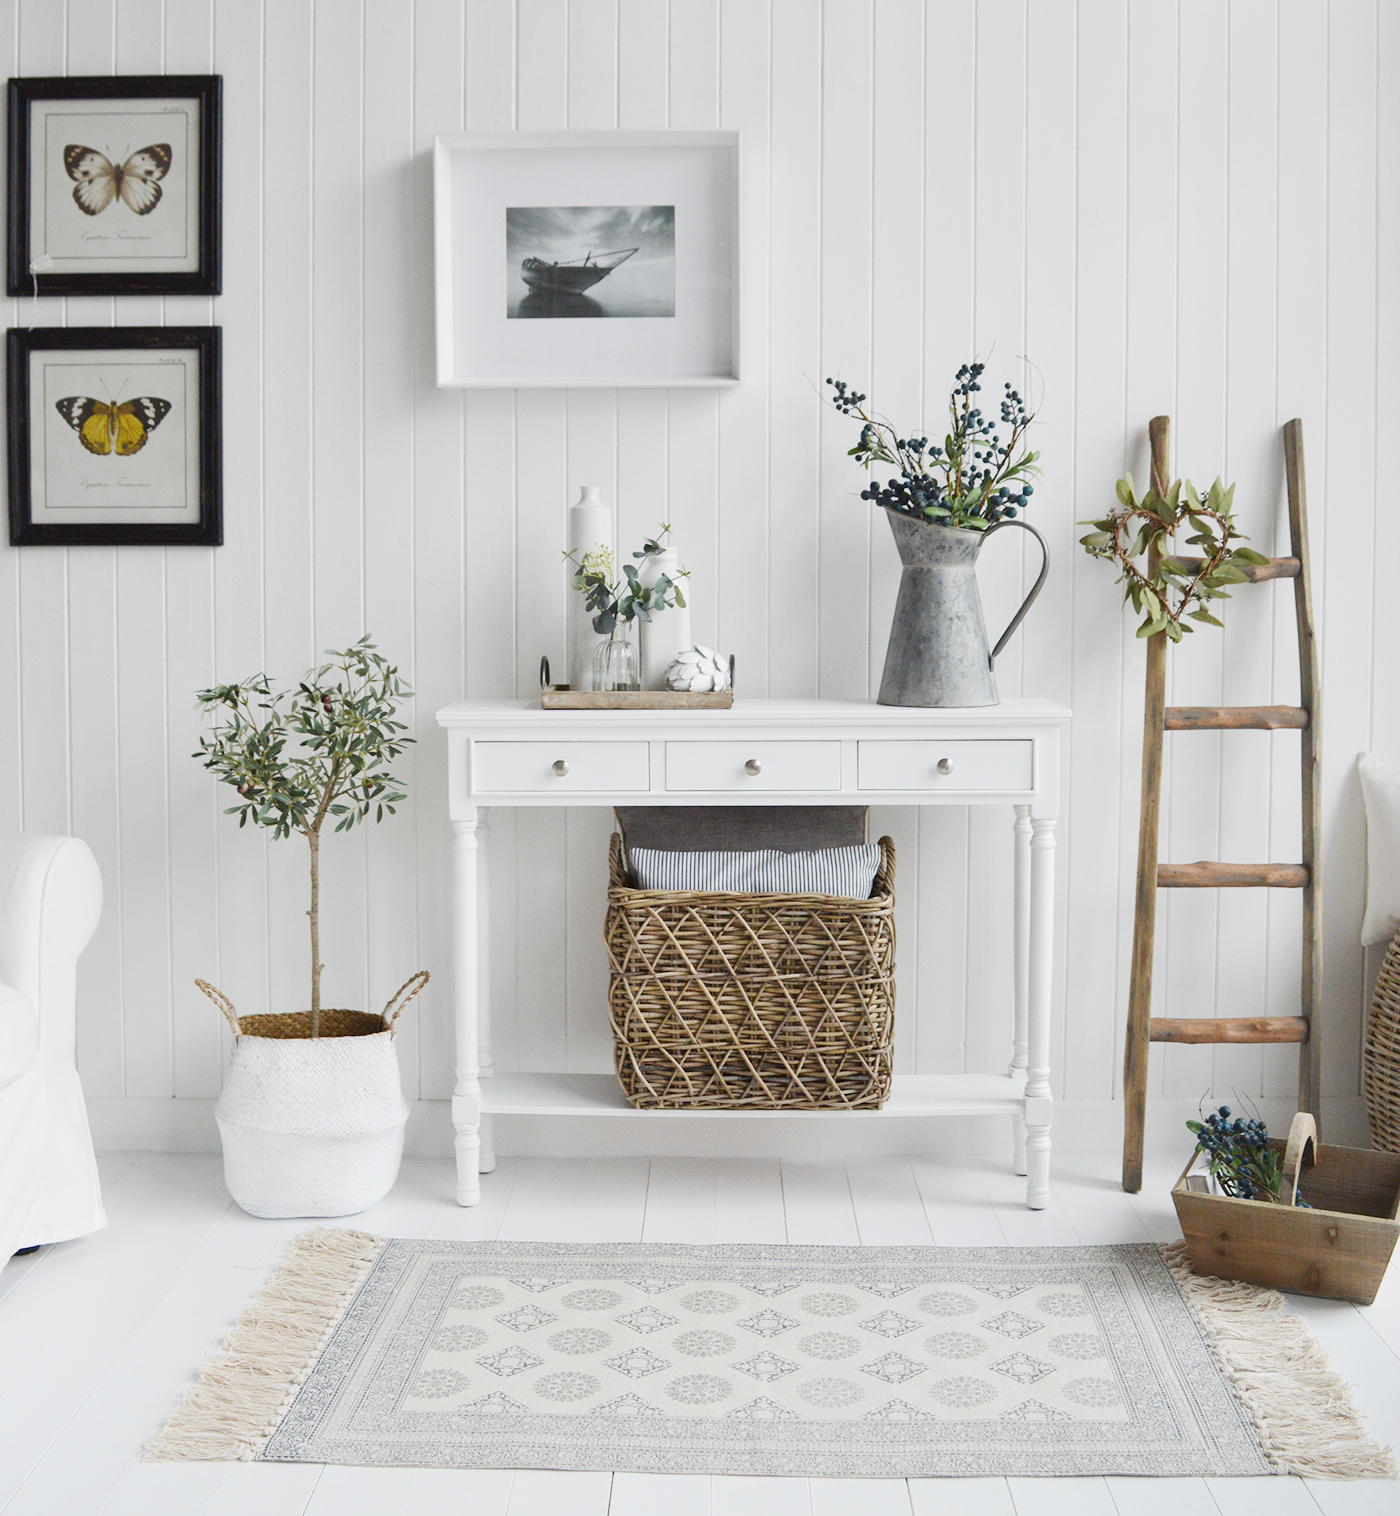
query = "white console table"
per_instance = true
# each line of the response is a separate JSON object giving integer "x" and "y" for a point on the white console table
{"x": 761, "y": 752}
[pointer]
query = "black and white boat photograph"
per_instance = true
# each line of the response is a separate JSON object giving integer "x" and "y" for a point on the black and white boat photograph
{"x": 567, "y": 261}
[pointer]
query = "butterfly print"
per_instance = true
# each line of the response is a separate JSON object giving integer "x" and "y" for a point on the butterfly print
{"x": 100, "y": 181}
{"x": 121, "y": 429}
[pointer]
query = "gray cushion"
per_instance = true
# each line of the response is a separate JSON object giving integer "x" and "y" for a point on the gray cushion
{"x": 845, "y": 871}
{"x": 741, "y": 828}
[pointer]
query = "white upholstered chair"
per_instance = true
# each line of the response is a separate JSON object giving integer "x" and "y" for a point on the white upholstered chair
{"x": 50, "y": 902}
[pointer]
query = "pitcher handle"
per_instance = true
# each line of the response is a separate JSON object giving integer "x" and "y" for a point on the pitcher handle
{"x": 1029, "y": 601}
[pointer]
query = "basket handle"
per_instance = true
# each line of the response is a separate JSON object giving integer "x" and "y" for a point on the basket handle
{"x": 224, "y": 1004}
{"x": 397, "y": 1005}
{"x": 1301, "y": 1133}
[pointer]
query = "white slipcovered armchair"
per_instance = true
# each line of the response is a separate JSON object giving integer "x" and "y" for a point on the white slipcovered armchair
{"x": 50, "y": 902}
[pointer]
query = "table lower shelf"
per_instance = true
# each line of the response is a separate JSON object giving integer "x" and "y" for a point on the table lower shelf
{"x": 601, "y": 1095}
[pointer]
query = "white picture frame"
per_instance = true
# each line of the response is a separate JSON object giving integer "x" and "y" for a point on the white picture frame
{"x": 517, "y": 215}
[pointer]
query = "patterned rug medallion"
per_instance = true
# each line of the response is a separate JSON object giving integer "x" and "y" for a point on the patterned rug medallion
{"x": 896, "y": 1361}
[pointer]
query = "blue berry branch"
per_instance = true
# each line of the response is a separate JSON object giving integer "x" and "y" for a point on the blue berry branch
{"x": 972, "y": 481}
{"x": 1241, "y": 1161}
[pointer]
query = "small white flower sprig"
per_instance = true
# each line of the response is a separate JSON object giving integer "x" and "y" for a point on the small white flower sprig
{"x": 972, "y": 481}
{"x": 625, "y": 598}
{"x": 1166, "y": 590}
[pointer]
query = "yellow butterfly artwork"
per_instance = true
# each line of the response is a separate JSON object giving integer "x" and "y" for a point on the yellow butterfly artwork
{"x": 111, "y": 428}
{"x": 99, "y": 181}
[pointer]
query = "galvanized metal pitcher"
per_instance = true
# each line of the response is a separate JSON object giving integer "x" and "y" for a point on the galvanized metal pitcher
{"x": 938, "y": 654}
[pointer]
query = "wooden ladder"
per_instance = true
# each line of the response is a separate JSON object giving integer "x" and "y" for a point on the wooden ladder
{"x": 1152, "y": 875}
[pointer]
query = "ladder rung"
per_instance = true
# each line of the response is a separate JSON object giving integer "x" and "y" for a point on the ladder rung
{"x": 1206, "y": 876}
{"x": 1206, "y": 718}
{"x": 1229, "y": 1029}
{"x": 1275, "y": 568}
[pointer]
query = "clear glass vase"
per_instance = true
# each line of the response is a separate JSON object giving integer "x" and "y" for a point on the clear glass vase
{"x": 615, "y": 665}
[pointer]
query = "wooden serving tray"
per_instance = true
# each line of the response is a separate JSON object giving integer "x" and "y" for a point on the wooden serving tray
{"x": 634, "y": 700}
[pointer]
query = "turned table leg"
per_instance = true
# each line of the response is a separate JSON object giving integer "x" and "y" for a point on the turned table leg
{"x": 1039, "y": 1104}
{"x": 466, "y": 1092}
{"x": 1021, "y": 930}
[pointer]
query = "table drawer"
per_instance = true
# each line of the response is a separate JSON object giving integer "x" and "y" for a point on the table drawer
{"x": 534, "y": 767}
{"x": 791, "y": 766}
{"x": 967, "y": 766}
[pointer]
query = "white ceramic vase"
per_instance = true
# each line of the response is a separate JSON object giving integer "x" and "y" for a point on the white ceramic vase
{"x": 590, "y": 527}
{"x": 668, "y": 632}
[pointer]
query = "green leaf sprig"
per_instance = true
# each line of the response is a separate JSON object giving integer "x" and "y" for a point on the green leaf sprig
{"x": 625, "y": 598}
{"x": 1163, "y": 588}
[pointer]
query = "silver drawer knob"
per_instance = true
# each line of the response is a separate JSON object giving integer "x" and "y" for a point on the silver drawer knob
{"x": 945, "y": 765}
{"x": 753, "y": 766}
{"x": 560, "y": 767}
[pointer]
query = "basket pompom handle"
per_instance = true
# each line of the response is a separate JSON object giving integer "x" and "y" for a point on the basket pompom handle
{"x": 398, "y": 1001}
{"x": 224, "y": 1004}
{"x": 1302, "y": 1132}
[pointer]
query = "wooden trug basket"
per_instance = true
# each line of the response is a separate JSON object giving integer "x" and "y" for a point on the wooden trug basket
{"x": 751, "y": 1002}
{"x": 1338, "y": 1249}
{"x": 1380, "y": 1054}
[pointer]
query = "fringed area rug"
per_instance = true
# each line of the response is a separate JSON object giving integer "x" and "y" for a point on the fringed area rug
{"x": 893, "y": 1361}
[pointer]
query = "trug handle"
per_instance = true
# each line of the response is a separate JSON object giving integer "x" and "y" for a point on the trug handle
{"x": 1302, "y": 1133}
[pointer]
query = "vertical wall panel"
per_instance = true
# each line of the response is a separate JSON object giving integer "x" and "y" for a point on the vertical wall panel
{"x": 1106, "y": 688}
{"x": 1253, "y": 459}
{"x": 847, "y": 234}
{"x": 793, "y": 293}
{"x": 743, "y": 528}
{"x": 1191, "y": 766}
{"x": 456, "y": 70}
{"x": 1353, "y": 430}
{"x": 1083, "y": 1045}
{"x": 339, "y": 225}
{"x": 142, "y": 644}
{"x": 391, "y": 898}
{"x": 1300, "y": 390}
{"x": 11, "y": 785}
{"x": 1162, "y": 205}
{"x": 182, "y": 41}
{"x": 288, "y": 395}
{"x": 949, "y": 212}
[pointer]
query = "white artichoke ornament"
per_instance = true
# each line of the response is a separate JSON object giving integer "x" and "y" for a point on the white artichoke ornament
{"x": 699, "y": 669}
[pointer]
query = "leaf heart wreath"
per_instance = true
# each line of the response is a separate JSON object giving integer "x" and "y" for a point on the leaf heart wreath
{"x": 1170, "y": 586}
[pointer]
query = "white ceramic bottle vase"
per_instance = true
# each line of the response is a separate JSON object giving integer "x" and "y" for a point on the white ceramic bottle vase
{"x": 590, "y": 527}
{"x": 668, "y": 632}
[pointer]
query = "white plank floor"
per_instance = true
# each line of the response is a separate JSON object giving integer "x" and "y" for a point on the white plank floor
{"x": 98, "y": 1337}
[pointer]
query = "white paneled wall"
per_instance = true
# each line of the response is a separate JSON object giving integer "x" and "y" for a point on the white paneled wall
{"x": 1186, "y": 206}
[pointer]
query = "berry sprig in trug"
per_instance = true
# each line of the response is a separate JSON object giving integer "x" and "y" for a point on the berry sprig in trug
{"x": 972, "y": 481}
{"x": 1241, "y": 1161}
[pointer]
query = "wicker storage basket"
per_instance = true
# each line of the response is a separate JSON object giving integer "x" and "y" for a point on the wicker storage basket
{"x": 762, "y": 1002}
{"x": 1380, "y": 1058}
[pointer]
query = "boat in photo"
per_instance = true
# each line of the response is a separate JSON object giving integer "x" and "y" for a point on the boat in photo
{"x": 572, "y": 277}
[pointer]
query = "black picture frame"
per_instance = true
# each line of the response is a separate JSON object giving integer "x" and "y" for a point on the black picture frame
{"x": 206, "y": 163}
{"x": 205, "y": 474}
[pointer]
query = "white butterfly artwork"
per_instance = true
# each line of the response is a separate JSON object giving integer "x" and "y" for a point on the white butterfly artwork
{"x": 99, "y": 181}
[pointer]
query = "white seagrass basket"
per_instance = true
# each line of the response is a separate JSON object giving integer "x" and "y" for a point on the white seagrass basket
{"x": 312, "y": 1126}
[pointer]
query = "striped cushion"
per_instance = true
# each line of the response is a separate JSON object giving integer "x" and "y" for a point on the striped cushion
{"x": 845, "y": 871}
